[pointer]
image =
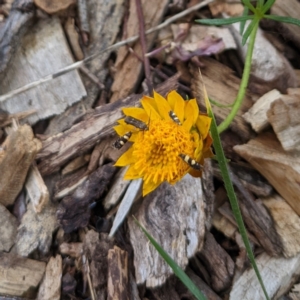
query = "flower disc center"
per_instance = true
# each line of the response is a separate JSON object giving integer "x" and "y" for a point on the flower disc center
{"x": 157, "y": 150}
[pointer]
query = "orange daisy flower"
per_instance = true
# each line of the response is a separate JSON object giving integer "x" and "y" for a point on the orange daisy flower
{"x": 174, "y": 140}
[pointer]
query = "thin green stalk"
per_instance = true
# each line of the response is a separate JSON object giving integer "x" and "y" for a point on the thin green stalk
{"x": 244, "y": 83}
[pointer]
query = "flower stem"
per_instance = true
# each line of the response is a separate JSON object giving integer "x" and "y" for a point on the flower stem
{"x": 244, "y": 83}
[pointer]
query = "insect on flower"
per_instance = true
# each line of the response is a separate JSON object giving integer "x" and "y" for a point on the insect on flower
{"x": 191, "y": 162}
{"x": 136, "y": 123}
{"x": 122, "y": 140}
{"x": 174, "y": 117}
{"x": 175, "y": 142}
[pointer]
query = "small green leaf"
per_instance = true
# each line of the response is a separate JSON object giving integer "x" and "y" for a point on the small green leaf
{"x": 249, "y": 30}
{"x": 243, "y": 23}
{"x": 267, "y": 6}
{"x": 249, "y": 5}
{"x": 283, "y": 19}
{"x": 177, "y": 270}
{"x": 218, "y": 22}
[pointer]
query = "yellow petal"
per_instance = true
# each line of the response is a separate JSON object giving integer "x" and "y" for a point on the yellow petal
{"x": 149, "y": 187}
{"x": 203, "y": 124}
{"x": 199, "y": 149}
{"x": 134, "y": 136}
{"x": 171, "y": 99}
{"x": 179, "y": 105}
{"x": 196, "y": 137}
{"x": 162, "y": 105}
{"x": 150, "y": 108}
{"x": 192, "y": 110}
{"x": 188, "y": 123}
{"x": 121, "y": 130}
{"x": 131, "y": 173}
{"x": 125, "y": 159}
{"x": 136, "y": 112}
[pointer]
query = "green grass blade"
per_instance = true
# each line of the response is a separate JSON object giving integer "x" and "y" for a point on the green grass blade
{"x": 283, "y": 19}
{"x": 218, "y": 22}
{"x": 229, "y": 187}
{"x": 249, "y": 5}
{"x": 177, "y": 270}
{"x": 249, "y": 30}
{"x": 260, "y": 4}
{"x": 267, "y": 5}
{"x": 243, "y": 23}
